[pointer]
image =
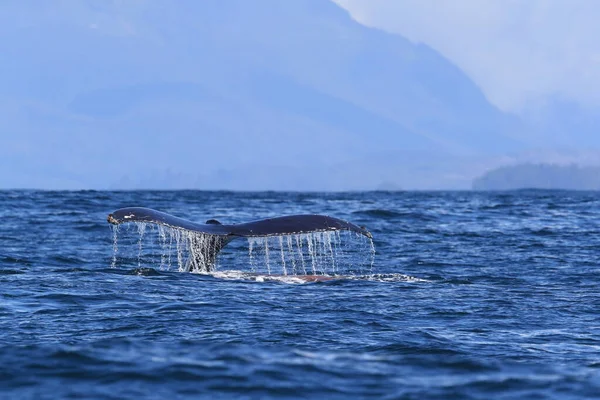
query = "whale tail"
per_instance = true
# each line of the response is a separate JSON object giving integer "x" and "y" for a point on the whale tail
{"x": 212, "y": 236}
{"x": 203, "y": 250}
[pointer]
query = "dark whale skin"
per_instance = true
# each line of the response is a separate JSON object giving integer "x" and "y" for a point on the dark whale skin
{"x": 286, "y": 225}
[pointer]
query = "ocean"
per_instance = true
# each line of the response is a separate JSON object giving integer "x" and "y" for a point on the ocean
{"x": 464, "y": 295}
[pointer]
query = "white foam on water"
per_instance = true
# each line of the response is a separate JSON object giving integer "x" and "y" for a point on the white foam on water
{"x": 303, "y": 279}
{"x": 239, "y": 275}
{"x": 387, "y": 278}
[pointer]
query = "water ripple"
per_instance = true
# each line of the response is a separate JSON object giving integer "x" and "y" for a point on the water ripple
{"x": 471, "y": 295}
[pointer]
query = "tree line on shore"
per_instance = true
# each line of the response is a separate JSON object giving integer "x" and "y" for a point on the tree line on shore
{"x": 540, "y": 176}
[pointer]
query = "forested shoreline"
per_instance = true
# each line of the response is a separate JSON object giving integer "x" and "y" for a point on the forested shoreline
{"x": 540, "y": 176}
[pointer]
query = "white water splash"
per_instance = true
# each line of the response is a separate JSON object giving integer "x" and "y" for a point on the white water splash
{"x": 325, "y": 253}
{"x": 251, "y": 254}
{"x": 141, "y": 226}
{"x": 239, "y": 275}
{"x": 329, "y": 253}
{"x": 115, "y": 232}
{"x": 189, "y": 251}
{"x": 304, "y": 279}
{"x": 387, "y": 278}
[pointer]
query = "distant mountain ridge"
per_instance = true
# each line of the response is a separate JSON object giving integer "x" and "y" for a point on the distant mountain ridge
{"x": 232, "y": 94}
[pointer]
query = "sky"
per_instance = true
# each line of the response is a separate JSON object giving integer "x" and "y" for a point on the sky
{"x": 293, "y": 95}
{"x": 520, "y": 52}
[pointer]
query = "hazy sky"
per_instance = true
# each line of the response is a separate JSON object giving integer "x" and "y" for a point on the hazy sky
{"x": 298, "y": 95}
{"x": 519, "y": 51}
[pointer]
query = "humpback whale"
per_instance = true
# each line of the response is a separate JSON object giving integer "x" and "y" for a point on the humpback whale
{"x": 213, "y": 235}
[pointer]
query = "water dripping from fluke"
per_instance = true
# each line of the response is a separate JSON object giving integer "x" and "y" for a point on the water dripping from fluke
{"x": 327, "y": 254}
{"x": 304, "y": 248}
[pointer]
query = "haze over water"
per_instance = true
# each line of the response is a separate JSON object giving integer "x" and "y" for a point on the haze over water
{"x": 472, "y": 295}
{"x": 293, "y": 95}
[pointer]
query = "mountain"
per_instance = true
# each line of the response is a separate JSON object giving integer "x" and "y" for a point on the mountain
{"x": 232, "y": 94}
{"x": 540, "y": 176}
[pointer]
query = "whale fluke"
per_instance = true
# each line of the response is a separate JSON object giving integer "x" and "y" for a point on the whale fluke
{"x": 218, "y": 235}
{"x": 287, "y": 225}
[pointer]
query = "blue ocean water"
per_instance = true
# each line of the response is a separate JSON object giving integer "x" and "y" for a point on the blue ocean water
{"x": 470, "y": 296}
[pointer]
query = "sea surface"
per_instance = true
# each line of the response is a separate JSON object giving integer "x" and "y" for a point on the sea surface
{"x": 468, "y": 295}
